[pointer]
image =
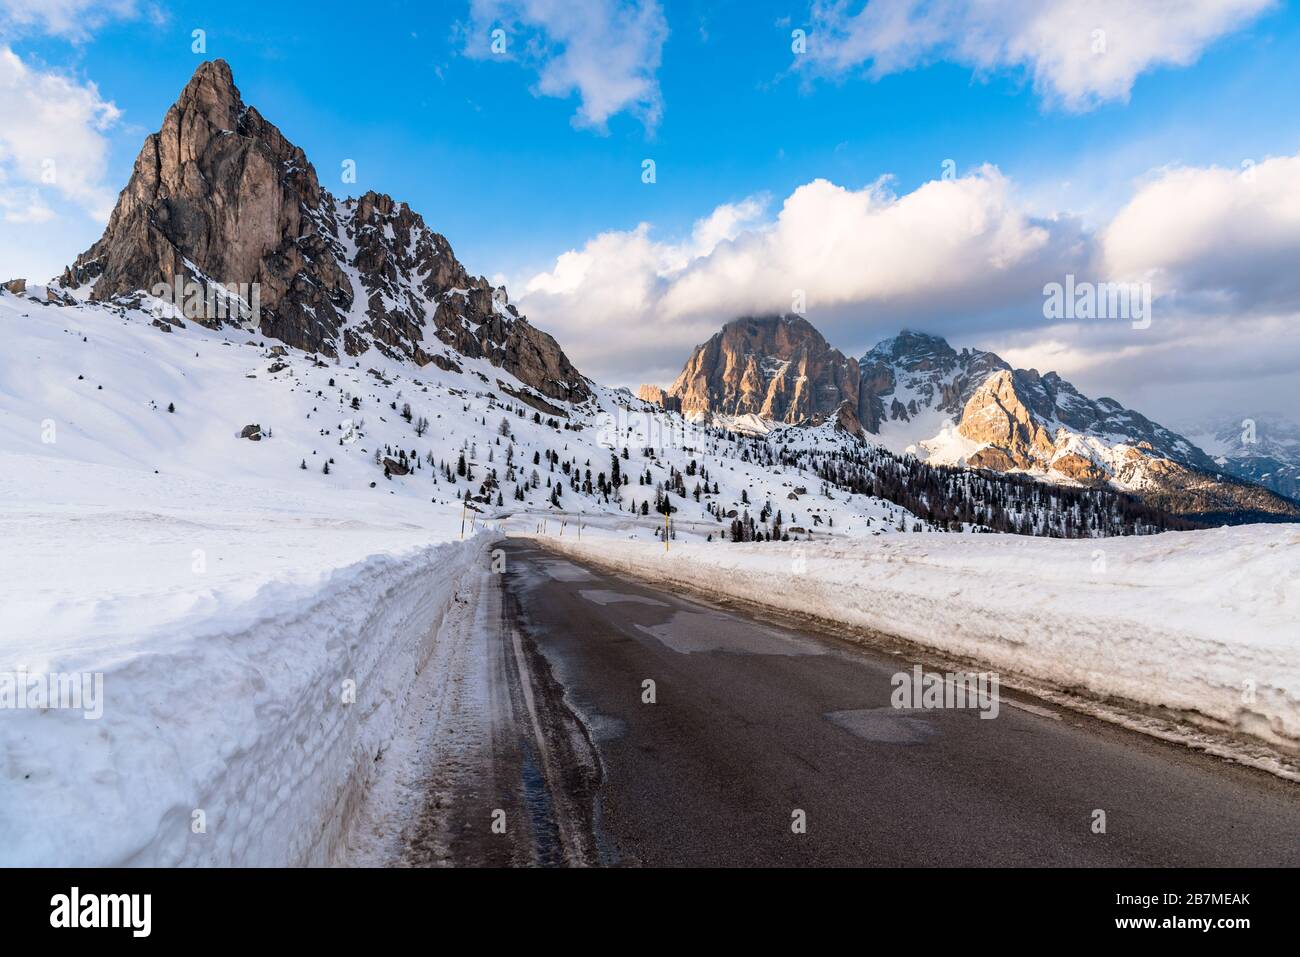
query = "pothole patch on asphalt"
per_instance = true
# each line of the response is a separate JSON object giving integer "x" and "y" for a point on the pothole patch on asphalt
{"x": 885, "y": 725}
{"x": 689, "y": 632}
{"x": 601, "y": 596}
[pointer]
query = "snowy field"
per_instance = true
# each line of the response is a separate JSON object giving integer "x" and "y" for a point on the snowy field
{"x": 1200, "y": 628}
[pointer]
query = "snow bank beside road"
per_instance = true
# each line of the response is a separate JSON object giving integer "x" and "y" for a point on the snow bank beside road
{"x": 1206, "y": 624}
{"x": 243, "y": 719}
{"x": 225, "y": 621}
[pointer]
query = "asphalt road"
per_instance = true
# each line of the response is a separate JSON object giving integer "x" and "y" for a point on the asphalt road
{"x": 755, "y": 721}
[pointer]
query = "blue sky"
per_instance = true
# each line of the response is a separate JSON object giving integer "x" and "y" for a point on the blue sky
{"x": 515, "y": 176}
{"x": 506, "y": 176}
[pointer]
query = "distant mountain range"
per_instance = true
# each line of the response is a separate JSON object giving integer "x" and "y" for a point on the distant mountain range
{"x": 913, "y": 393}
{"x": 1263, "y": 448}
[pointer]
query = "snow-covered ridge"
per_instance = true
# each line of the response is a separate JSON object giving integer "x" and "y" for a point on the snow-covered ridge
{"x": 924, "y": 389}
{"x": 971, "y": 409}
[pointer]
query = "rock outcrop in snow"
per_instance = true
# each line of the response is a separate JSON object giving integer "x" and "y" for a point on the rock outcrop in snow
{"x": 660, "y": 397}
{"x": 776, "y": 367}
{"x": 220, "y": 196}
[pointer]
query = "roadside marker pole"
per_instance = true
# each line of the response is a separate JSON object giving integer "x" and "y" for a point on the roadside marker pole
{"x": 665, "y": 531}
{"x": 462, "y": 523}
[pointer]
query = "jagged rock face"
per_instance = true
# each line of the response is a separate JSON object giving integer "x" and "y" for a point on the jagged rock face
{"x": 218, "y": 195}
{"x": 995, "y": 416}
{"x": 412, "y": 283}
{"x": 1024, "y": 421}
{"x": 1080, "y": 468}
{"x": 777, "y": 367}
{"x": 911, "y": 372}
{"x": 660, "y": 397}
{"x": 1051, "y": 398}
{"x": 1027, "y": 421}
{"x": 1017, "y": 411}
{"x": 846, "y": 420}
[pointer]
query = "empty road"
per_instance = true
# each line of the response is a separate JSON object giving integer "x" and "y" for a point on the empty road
{"x": 759, "y": 725}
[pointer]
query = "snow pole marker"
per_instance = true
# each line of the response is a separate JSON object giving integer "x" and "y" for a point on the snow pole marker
{"x": 462, "y": 523}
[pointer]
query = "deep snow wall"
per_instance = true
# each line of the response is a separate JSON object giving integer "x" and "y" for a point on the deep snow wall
{"x": 237, "y": 743}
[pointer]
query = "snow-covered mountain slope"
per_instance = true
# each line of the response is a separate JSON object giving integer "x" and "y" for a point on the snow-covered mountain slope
{"x": 1262, "y": 448}
{"x": 971, "y": 408}
{"x": 361, "y": 312}
{"x": 93, "y": 383}
{"x": 919, "y": 381}
{"x": 221, "y": 200}
{"x": 912, "y": 382}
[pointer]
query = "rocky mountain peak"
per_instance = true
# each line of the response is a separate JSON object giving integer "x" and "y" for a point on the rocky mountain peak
{"x": 916, "y": 394}
{"x": 907, "y": 374}
{"x": 777, "y": 367}
{"x": 913, "y": 350}
{"x": 219, "y": 196}
{"x": 212, "y": 95}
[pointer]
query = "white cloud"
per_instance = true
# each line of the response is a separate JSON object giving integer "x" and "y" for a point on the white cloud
{"x": 606, "y": 51}
{"x": 23, "y": 205}
{"x": 1185, "y": 368}
{"x": 1079, "y": 52}
{"x": 956, "y": 246}
{"x": 52, "y": 137}
{"x": 1213, "y": 238}
{"x": 73, "y": 20}
{"x": 966, "y": 259}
